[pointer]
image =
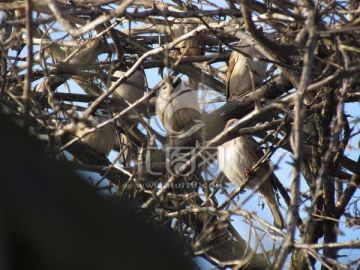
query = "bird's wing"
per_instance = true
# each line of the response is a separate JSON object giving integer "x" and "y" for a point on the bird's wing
{"x": 232, "y": 63}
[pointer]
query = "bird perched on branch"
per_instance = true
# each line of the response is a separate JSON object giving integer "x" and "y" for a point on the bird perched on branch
{"x": 178, "y": 108}
{"x": 193, "y": 46}
{"x": 131, "y": 89}
{"x": 101, "y": 140}
{"x": 236, "y": 157}
{"x": 245, "y": 71}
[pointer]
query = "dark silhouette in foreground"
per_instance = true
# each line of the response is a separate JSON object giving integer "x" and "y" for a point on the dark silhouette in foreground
{"x": 52, "y": 219}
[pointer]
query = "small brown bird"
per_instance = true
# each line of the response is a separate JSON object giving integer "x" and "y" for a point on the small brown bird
{"x": 178, "y": 108}
{"x": 130, "y": 92}
{"x": 101, "y": 140}
{"x": 244, "y": 73}
{"x": 193, "y": 46}
{"x": 237, "y": 156}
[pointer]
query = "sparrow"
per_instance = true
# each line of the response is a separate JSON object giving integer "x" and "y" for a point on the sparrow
{"x": 193, "y": 46}
{"x": 236, "y": 157}
{"x": 244, "y": 73}
{"x": 178, "y": 108}
{"x": 130, "y": 92}
{"x": 101, "y": 140}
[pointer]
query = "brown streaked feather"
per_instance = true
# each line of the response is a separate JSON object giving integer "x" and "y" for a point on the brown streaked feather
{"x": 232, "y": 62}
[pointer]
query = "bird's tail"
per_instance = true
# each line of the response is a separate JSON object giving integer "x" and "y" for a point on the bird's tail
{"x": 279, "y": 220}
